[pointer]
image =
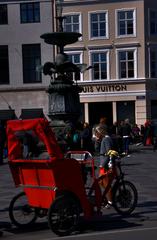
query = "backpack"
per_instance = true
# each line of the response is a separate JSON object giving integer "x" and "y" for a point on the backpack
{"x": 76, "y": 137}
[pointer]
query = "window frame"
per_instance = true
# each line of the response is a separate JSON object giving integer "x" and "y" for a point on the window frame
{"x": 80, "y": 19}
{"x": 24, "y": 68}
{"x": 81, "y": 61}
{"x": 153, "y": 49}
{"x": 118, "y": 63}
{"x": 6, "y": 58}
{"x": 107, "y": 64}
{"x": 27, "y": 13}
{"x": 6, "y": 13}
{"x": 149, "y": 17}
{"x": 106, "y": 23}
{"x": 134, "y": 22}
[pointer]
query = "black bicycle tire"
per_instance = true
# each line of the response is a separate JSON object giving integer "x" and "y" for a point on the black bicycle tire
{"x": 135, "y": 193}
{"x": 11, "y": 212}
{"x": 61, "y": 200}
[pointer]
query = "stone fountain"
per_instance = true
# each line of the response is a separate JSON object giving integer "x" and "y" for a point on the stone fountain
{"x": 64, "y": 103}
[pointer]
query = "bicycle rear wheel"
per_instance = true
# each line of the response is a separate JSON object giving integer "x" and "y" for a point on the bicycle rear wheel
{"x": 125, "y": 198}
{"x": 63, "y": 215}
{"x": 21, "y": 214}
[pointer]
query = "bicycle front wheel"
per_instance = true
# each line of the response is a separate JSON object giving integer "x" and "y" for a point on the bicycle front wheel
{"x": 125, "y": 198}
{"x": 21, "y": 214}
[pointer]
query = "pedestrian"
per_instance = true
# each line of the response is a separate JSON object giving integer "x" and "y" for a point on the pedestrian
{"x": 76, "y": 136}
{"x": 106, "y": 144}
{"x": 148, "y": 133}
{"x": 69, "y": 140}
{"x": 86, "y": 138}
{"x": 102, "y": 124}
{"x": 136, "y": 133}
{"x": 125, "y": 132}
{"x": 116, "y": 138}
{"x": 2, "y": 140}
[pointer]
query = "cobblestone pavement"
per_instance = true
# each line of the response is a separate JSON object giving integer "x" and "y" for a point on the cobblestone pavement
{"x": 140, "y": 168}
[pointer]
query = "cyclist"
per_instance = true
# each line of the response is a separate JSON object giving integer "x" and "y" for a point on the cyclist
{"x": 106, "y": 144}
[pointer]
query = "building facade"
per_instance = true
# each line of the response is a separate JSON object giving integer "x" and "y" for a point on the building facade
{"x": 22, "y": 52}
{"x": 119, "y": 41}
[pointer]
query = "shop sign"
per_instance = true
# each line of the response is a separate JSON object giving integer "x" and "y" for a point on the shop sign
{"x": 104, "y": 88}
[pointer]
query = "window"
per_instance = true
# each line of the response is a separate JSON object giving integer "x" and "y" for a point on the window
{"x": 76, "y": 59}
{"x": 99, "y": 61}
{"x": 153, "y": 22}
{"x": 30, "y": 12}
{"x": 127, "y": 63}
{"x": 153, "y": 63}
{"x": 126, "y": 22}
{"x": 4, "y": 65}
{"x": 98, "y": 25}
{"x": 72, "y": 23}
{"x": 31, "y": 60}
{"x": 3, "y": 14}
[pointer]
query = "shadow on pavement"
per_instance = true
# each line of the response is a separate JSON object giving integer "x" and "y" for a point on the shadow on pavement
{"x": 106, "y": 223}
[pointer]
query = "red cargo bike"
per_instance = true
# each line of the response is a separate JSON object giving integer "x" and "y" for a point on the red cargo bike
{"x": 55, "y": 185}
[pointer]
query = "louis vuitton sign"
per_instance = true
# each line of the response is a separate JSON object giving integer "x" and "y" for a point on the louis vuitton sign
{"x": 104, "y": 88}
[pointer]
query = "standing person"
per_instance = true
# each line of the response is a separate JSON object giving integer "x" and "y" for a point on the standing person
{"x": 148, "y": 133}
{"x": 136, "y": 133}
{"x": 102, "y": 124}
{"x": 2, "y": 140}
{"x": 86, "y": 138}
{"x": 125, "y": 132}
{"x": 106, "y": 144}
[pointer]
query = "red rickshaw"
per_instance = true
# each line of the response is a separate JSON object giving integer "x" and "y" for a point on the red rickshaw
{"x": 55, "y": 185}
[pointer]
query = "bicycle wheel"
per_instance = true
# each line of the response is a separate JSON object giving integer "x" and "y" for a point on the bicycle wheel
{"x": 63, "y": 215}
{"x": 125, "y": 198}
{"x": 21, "y": 214}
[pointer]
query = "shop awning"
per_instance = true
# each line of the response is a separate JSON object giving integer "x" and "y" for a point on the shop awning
{"x": 7, "y": 114}
{"x": 32, "y": 113}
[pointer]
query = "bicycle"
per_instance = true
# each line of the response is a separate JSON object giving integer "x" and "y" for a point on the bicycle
{"x": 124, "y": 192}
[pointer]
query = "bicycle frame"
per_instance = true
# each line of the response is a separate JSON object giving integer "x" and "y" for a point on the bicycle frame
{"x": 114, "y": 176}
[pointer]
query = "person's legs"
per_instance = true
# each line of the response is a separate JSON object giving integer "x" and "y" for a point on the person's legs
{"x": 124, "y": 145}
{"x": 127, "y": 145}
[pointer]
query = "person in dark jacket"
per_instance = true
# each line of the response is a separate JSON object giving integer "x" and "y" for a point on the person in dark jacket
{"x": 86, "y": 138}
{"x": 125, "y": 132}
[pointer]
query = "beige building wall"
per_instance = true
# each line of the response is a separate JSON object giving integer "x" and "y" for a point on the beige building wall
{"x": 135, "y": 87}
